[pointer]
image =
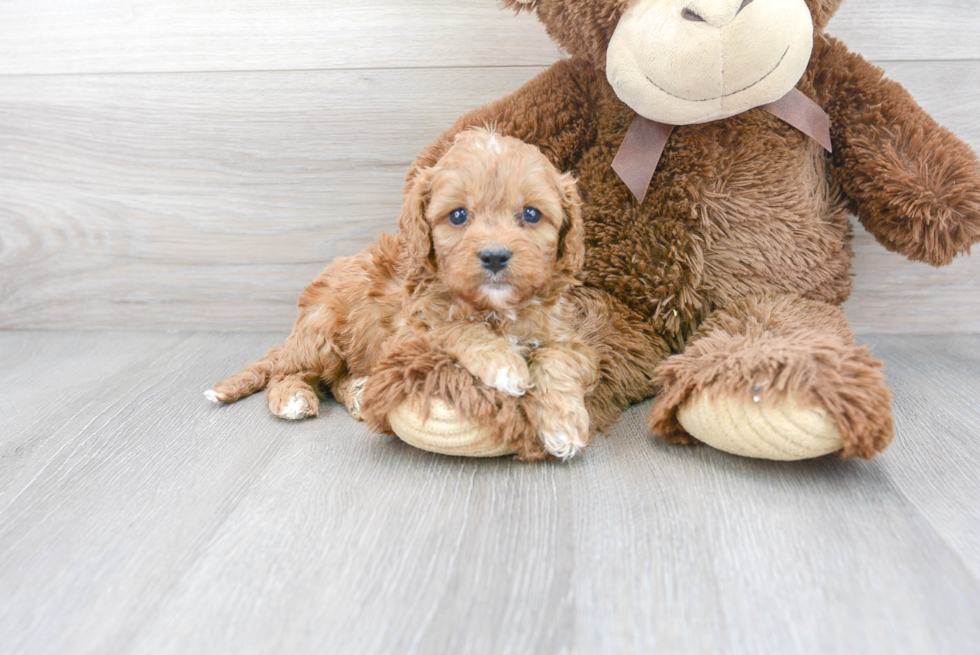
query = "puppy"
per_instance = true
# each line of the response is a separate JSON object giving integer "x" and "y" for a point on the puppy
{"x": 491, "y": 240}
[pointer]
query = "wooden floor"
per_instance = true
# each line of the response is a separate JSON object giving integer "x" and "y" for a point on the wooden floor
{"x": 135, "y": 517}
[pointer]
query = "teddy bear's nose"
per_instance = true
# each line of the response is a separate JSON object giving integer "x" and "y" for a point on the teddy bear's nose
{"x": 716, "y": 13}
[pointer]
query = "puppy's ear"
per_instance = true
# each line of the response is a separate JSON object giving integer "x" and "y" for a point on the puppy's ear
{"x": 414, "y": 226}
{"x": 571, "y": 237}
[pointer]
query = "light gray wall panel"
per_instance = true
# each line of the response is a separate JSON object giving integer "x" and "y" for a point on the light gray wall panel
{"x": 93, "y": 36}
{"x": 209, "y": 200}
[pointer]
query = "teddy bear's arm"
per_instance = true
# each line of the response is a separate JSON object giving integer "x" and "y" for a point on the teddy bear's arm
{"x": 555, "y": 111}
{"x": 913, "y": 184}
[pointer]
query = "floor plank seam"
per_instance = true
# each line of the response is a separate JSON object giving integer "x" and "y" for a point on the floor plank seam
{"x": 123, "y": 404}
{"x": 959, "y": 557}
{"x": 198, "y": 549}
{"x": 268, "y": 71}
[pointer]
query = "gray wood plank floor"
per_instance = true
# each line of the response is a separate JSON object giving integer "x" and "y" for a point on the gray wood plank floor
{"x": 137, "y": 518}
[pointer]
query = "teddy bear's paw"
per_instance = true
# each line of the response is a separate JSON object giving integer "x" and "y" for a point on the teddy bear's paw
{"x": 294, "y": 405}
{"x": 782, "y": 429}
{"x": 444, "y": 432}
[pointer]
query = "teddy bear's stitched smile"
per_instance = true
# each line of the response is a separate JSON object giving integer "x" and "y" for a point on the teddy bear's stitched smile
{"x": 727, "y": 95}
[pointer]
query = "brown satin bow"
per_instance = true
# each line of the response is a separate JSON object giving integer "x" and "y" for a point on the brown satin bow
{"x": 638, "y": 156}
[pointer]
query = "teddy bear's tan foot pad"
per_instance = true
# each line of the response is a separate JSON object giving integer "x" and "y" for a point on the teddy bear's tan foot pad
{"x": 444, "y": 432}
{"x": 786, "y": 430}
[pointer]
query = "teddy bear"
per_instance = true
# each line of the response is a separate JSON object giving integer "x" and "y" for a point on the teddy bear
{"x": 719, "y": 146}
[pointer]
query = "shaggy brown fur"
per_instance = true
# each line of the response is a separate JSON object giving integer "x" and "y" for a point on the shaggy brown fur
{"x": 743, "y": 235}
{"x": 768, "y": 347}
{"x": 626, "y": 353}
{"x": 435, "y": 308}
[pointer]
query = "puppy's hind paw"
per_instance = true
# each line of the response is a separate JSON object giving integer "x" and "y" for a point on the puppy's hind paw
{"x": 297, "y": 408}
{"x": 349, "y": 392}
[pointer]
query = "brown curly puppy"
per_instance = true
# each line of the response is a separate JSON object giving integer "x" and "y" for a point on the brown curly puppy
{"x": 491, "y": 241}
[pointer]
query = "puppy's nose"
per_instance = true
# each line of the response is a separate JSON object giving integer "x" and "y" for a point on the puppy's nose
{"x": 495, "y": 259}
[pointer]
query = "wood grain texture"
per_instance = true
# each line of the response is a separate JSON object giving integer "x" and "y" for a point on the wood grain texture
{"x": 909, "y": 30}
{"x": 113, "y": 36}
{"x": 235, "y": 189}
{"x": 210, "y": 200}
{"x": 135, "y": 517}
{"x": 938, "y": 473}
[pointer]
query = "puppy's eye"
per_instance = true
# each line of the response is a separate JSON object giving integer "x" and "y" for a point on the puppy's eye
{"x": 531, "y": 215}
{"x": 458, "y": 216}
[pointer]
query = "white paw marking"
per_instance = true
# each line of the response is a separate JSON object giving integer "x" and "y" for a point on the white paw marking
{"x": 510, "y": 381}
{"x": 559, "y": 444}
{"x": 212, "y": 395}
{"x": 354, "y": 400}
{"x": 297, "y": 409}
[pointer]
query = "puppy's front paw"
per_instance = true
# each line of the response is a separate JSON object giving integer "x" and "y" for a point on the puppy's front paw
{"x": 563, "y": 427}
{"x": 560, "y": 444}
{"x": 512, "y": 380}
{"x": 506, "y": 373}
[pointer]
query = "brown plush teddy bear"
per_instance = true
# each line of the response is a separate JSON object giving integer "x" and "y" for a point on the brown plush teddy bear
{"x": 731, "y": 253}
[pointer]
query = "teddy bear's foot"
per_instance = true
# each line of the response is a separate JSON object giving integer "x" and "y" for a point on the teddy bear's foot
{"x": 784, "y": 430}
{"x": 444, "y": 431}
{"x": 426, "y": 399}
{"x": 777, "y": 377}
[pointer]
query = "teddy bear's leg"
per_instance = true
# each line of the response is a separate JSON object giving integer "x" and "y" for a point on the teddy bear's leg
{"x": 425, "y": 397}
{"x": 776, "y": 378}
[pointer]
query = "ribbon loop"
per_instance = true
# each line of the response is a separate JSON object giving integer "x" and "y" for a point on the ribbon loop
{"x": 637, "y": 158}
{"x": 805, "y": 115}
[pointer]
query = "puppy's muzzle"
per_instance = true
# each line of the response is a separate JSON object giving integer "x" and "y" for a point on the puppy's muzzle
{"x": 495, "y": 258}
